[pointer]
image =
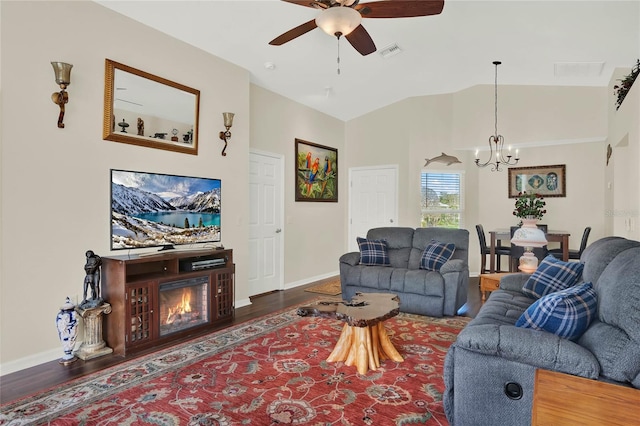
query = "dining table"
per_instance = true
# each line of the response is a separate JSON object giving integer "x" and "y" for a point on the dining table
{"x": 498, "y": 235}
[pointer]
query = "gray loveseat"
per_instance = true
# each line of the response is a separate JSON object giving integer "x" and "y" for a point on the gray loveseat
{"x": 491, "y": 352}
{"x": 420, "y": 291}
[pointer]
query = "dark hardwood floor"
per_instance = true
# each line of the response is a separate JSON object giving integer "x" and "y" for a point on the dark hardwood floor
{"x": 41, "y": 377}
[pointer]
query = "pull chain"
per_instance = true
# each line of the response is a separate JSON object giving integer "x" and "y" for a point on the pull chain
{"x": 338, "y": 39}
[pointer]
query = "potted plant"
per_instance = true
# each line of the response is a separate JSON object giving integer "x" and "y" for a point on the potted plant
{"x": 529, "y": 206}
{"x": 621, "y": 90}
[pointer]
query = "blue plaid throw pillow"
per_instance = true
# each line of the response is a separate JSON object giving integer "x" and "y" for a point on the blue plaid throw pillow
{"x": 552, "y": 275}
{"x": 566, "y": 313}
{"x": 373, "y": 252}
{"x": 435, "y": 255}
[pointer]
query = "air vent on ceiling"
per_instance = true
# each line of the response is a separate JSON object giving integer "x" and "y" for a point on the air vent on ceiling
{"x": 390, "y": 50}
{"x": 578, "y": 69}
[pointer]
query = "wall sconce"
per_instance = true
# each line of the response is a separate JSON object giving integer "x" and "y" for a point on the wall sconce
{"x": 226, "y": 135}
{"x": 63, "y": 78}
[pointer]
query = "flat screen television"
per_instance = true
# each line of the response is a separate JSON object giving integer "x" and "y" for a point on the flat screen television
{"x": 161, "y": 210}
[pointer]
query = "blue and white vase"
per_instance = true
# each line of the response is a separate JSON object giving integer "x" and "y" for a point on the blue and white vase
{"x": 67, "y": 324}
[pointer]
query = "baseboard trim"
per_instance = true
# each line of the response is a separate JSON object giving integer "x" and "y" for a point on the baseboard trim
{"x": 30, "y": 361}
{"x": 310, "y": 280}
{"x": 242, "y": 303}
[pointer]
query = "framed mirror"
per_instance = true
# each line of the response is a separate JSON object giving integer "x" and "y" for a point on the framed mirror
{"x": 147, "y": 110}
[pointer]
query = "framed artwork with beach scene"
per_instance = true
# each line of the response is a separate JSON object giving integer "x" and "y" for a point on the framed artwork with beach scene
{"x": 316, "y": 172}
{"x": 548, "y": 181}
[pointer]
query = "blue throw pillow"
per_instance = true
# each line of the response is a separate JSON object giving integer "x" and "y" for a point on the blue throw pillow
{"x": 566, "y": 313}
{"x": 436, "y": 254}
{"x": 552, "y": 275}
{"x": 373, "y": 252}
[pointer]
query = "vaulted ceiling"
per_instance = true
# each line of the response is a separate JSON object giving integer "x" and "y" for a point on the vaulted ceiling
{"x": 575, "y": 43}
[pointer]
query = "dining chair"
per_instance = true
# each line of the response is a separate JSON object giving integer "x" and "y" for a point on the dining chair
{"x": 574, "y": 254}
{"x": 517, "y": 251}
{"x": 485, "y": 251}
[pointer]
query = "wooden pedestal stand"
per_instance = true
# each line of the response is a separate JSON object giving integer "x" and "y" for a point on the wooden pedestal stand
{"x": 93, "y": 345}
{"x": 364, "y": 340}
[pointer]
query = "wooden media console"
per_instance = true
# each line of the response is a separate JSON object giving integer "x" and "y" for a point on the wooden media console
{"x": 165, "y": 296}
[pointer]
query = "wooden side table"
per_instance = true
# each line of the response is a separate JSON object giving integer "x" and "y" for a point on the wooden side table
{"x": 490, "y": 282}
{"x": 564, "y": 400}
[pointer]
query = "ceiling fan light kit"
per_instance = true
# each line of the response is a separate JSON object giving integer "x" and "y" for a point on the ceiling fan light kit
{"x": 338, "y": 21}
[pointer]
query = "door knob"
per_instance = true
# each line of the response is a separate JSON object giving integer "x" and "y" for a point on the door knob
{"x": 278, "y": 231}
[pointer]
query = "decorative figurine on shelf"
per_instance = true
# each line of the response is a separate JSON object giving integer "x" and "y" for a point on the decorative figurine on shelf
{"x": 140, "y": 127}
{"x": 92, "y": 279}
{"x": 188, "y": 137}
{"x": 67, "y": 325}
{"x": 124, "y": 126}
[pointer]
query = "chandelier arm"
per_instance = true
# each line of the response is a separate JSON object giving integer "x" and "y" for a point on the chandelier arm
{"x": 500, "y": 149}
{"x": 490, "y": 160}
{"x": 498, "y": 140}
{"x": 508, "y": 159}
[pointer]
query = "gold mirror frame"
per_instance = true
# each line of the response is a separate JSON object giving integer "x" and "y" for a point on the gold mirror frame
{"x": 166, "y": 121}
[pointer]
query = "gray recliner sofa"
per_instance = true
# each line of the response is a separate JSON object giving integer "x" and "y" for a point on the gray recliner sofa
{"x": 489, "y": 370}
{"x": 432, "y": 293}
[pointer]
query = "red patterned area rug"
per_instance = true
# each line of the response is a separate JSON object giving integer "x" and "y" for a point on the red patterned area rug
{"x": 270, "y": 371}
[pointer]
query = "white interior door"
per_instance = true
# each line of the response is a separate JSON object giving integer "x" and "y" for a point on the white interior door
{"x": 373, "y": 200}
{"x": 265, "y": 222}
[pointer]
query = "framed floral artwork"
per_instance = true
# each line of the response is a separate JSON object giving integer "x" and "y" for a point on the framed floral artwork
{"x": 548, "y": 181}
{"x": 316, "y": 172}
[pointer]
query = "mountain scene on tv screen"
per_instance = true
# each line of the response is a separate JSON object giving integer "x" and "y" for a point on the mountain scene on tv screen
{"x": 149, "y": 210}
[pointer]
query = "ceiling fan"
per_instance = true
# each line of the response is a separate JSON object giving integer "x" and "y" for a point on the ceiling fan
{"x": 342, "y": 18}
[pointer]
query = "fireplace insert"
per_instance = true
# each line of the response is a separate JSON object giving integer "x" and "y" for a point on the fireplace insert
{"x": 183, "y": 304}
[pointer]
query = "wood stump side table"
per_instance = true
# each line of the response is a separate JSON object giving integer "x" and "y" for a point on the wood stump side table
{"x": 364, "y": 341}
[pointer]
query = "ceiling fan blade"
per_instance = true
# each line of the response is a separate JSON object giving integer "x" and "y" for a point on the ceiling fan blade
{"x": 400, "y": 8}
{"x": 294, "y": 32}
{"x": 309, "y": 3}
{"x": 361, "y": 41}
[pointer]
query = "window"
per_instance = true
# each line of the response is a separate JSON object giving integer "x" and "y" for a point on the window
{"x": 442, "y": 199}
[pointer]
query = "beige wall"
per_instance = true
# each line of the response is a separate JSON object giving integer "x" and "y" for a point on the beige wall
{"x": 313, "y": 232}
{"x": 529, "y": 115}
{"x": 622, "y": 192}
{"x": 55, "y": 182}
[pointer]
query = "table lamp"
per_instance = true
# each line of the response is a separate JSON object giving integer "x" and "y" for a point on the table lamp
{"x": 528, "y": 236}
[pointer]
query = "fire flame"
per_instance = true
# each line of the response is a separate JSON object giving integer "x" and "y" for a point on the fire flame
{"x": 181, "y": 308}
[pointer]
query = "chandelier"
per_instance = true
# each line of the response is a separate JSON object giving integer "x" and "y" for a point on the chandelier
{"x": 497, "y": 156}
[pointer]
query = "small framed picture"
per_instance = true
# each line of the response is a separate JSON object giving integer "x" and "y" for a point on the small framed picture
{"x": 316, "y": 172}
{"x": 548, "y": 181}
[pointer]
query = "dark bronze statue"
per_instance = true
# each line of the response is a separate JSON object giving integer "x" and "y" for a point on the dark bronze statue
{"x": 92, "y": 280}
{"x": 140, "y": 127}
